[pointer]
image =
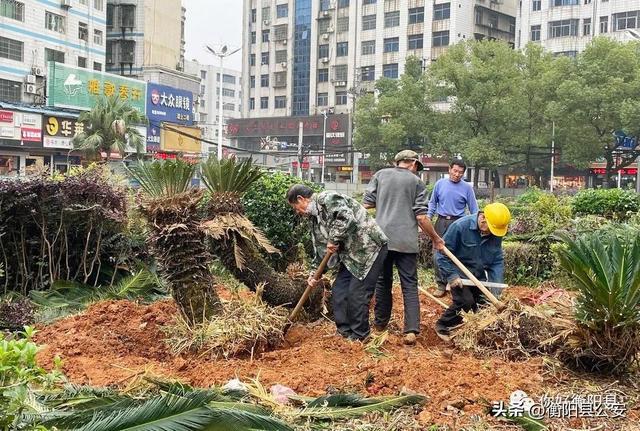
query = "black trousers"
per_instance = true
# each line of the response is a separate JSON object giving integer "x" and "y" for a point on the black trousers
{"x": 351, "y": 298}
{"x": 407, "y": 264}
{"x": 441, "y": 226}
{"x": 466, "y": 298}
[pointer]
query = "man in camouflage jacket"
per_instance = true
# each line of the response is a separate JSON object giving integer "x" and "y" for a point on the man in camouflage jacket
{"x": 342, "y": 226}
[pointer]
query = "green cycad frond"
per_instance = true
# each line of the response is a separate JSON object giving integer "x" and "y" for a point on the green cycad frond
{"x": 163, "y": 178}
{"x": 229, "y": 175}
{"x": 373, "y": 405}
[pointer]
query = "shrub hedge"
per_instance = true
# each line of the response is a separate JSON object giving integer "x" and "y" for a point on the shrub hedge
{"x": 611, "y": 203}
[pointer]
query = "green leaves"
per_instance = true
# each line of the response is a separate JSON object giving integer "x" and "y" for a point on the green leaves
{"x": 163, "y": 178}
{"x": 341, "y": 406}
{"x": 614, "y": 203}
{"x": 229, "y": 175}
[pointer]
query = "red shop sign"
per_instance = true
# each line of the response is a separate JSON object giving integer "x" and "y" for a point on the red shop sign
{"x": 29, "y": 134}
{"x": 6, "y": 117}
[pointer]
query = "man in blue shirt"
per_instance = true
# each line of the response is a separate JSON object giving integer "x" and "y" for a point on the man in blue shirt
{"x": 449, "y": 200}
{"x": 476, "y": 240}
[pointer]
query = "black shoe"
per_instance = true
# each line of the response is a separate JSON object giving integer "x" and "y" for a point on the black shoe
{"x": 440, "y": 291}
{"x": 443, "y": 334}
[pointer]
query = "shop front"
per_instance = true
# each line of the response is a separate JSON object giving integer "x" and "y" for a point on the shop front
{"x": 21, "y": 151}
{"x": 625, "y": 177}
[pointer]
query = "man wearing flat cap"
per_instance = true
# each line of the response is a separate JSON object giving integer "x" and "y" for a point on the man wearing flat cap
{"x": 401, "y": 202}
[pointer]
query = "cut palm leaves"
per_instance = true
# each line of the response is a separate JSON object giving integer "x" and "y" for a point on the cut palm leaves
{"x": 372, "y": 405}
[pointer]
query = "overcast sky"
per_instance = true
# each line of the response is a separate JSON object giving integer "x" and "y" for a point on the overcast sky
{"x": 213, "y": 22}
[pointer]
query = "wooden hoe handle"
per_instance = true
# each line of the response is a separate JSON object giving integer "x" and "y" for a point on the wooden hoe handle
{"x": 307, "y": 291}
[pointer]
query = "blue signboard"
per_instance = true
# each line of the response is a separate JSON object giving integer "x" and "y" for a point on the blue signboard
{"x": 169, "y": 104}
{"x": 153, "y": 138}
{"x": 625, "y": 142}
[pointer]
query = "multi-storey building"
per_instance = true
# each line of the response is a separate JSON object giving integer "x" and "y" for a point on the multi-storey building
{"x": 567, "y": 26}
{"x": 208, "y": 100}
{"x": 303, "y": 56}
{"x": 32, "y": 33}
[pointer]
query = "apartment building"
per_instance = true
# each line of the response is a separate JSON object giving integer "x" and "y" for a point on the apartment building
{"x": 34, "y": 32}
{"x": 208, "y": 98}
{"x": 565, "y": 27}
{"x": 304, "y": 56}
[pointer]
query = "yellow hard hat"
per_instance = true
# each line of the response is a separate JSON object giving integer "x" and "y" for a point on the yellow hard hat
{"x": 498, "y": 217}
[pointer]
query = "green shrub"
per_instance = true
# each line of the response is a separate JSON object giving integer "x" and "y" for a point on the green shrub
{"x": 266, "y": 206}
{"x": 532, "y": 195}
{"x": 611, "y": 203}
{"x": 527, "y": 263}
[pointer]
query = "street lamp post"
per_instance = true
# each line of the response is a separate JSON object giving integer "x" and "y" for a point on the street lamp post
{"x": 224, "y": 52}
{"x": 324, "y": 144}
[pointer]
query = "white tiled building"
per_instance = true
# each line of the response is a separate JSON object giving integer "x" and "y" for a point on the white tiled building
{"x": 33, "y": 32}
{"x": 208, "y": 99}
{"x": 567, "y": 26}
{"x": 302, "y": 56}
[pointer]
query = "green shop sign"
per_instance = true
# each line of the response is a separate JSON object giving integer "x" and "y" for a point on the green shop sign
{"x": 76, "y": 88}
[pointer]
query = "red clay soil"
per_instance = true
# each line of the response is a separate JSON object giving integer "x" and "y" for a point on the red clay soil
{"x": 114, "y": 340}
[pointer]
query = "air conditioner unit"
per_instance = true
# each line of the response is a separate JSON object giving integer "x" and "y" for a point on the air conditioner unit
{"x": 30, "y": 89}
{"x": 266, "y": 22}
{"x": 284, "y": 41}
{"x": 66, "y": 4}
{"x": 37, "y": 71}
{"x": 325, "y": 36}
{"x": 283, "y": 64}
{"x": 30, "y": 79}
{"x": 330, "y": 30}
{"x": 324, "y": 59}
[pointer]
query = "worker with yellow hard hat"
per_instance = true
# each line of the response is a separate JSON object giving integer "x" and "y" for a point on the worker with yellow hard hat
{"x": 476, "y": 240}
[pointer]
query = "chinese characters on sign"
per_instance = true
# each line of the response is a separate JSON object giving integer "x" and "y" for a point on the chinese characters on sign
{"x": 58, "y": 132}
{"x": 169, "y": 104}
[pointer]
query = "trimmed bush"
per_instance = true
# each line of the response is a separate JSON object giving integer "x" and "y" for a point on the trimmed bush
{"x": 266, "y": 206}
{"x": 527, "y": 262}
{"x": 611, "y": 203}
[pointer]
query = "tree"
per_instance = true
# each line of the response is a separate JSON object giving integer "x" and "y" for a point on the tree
{"x": 109, "y": 127}
{"x": 400, "y": 117}
{"x": 599, "y": 96}
{"x": 480, "y": 78}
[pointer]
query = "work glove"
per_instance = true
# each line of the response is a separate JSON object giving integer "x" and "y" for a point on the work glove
{"x": 456, "y": 282}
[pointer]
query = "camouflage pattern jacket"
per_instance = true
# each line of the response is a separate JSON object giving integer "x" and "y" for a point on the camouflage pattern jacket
{"x": 341, "y": 220}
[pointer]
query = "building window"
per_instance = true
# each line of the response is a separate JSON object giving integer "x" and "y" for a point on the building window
{"x": 54, "y": 22}
{"x": 252, "y": 103}
{"x": 10, "y": 91}
{"x": 536, "y": 5}
{"x": 323, "y": 75}
{"x": 325, "y": 4}
{"x": 11, "y": 49}
{"x": 266, "y": 13}
{"x": 253, "y": 37}
{"x": 128, "y": 51}
{"x": 264, "y": 80}
{"x": 440, "y": 38}
{"x": 97, "y": 37}
{"x": 323, "y": 26}
{"x": 128, "y": 16}
{"x": 265, "y": 35}
{"x": 392, "y": 44}
{"x": 479, "y": 16}
{"x": 53, "y": 55}
{"x": 604, "y": 24}
{"x": 82, "y": 62}
{"x": 586, "y": 27}
{"x": 535, "y": 33}
{"x": 441, "y": 11}
{"x": 369, "y": 1}
{"x": 625, "y": 20}
{"x": 341, "y": 97}
{"x": 264, "y": 58}
{"x": 565, "y": 2}
{"x": 340, "y": 72}
{"x": 203, "y": 89}
{"x": 252, "y": 81}
{"x": 280, "y": 102}
{"x": 97, "y": 66}
{"x": 415, "y": 41}
{"x": 392, "y": 19}
{"x": 84, "y": 2}
{"x": 254, "y": 15}
{"x": 12, "y": 9}
{"x": 252, "y": 59}
{"x": 227, "y": 92}
{"x": 369, "y": 22}
{"x": 264, "y": 103}
{"x": 280, "y": 79}
{"x": 228, "y": 79}
{"x": 564, "y": 28}
{"x": 280, "y": 32}
{"x": 368, "y": 73}
{"x": 281, "y": 56}
{"x": 587, "y": 1}
{"x": 98, "y": 4}
{"x": 493, "y": 20}
{"x": 110, "y": 10}
{"x": 83, "y": 31}
{"x": 342, "y": 49}
{"x": 342, "y": 24}
{"x": 390, "y": 70}
{"x": 323, "y": 51}
{"x": 368, "y": 47}
{"x": 343, "y": 3}
{"x": 282, "y": 10}
{"x": 109, "y": 53}
{"x": 203, "y": 74}
{"x": 416, "y": 15}
{"x": 228, "y": 106}
{"x": 323, "y": 99}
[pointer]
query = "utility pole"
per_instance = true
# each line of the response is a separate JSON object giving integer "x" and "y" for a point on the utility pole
{"x": 300, "y": 156}
{"x": 553, "y": 153}
{"x": 324, "y": 144}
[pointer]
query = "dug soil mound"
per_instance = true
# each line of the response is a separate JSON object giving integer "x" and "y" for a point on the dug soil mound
{"x": 113, "y": 341}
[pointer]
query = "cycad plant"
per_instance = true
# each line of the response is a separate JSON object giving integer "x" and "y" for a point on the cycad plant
{"x": 177, "y": 242}
{"x": 606, "y": 271}
{"x": 109, "y": 127}
{"x": 237, "y": 241}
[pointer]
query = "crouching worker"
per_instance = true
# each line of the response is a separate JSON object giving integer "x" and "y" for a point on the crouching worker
{"x": 342, "y": 226}
{"x": 476, "y": 240}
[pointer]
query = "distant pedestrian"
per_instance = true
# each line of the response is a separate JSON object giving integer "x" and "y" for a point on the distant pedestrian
{"x": 400, "y": 199}
{"x": 449, "y": 200}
